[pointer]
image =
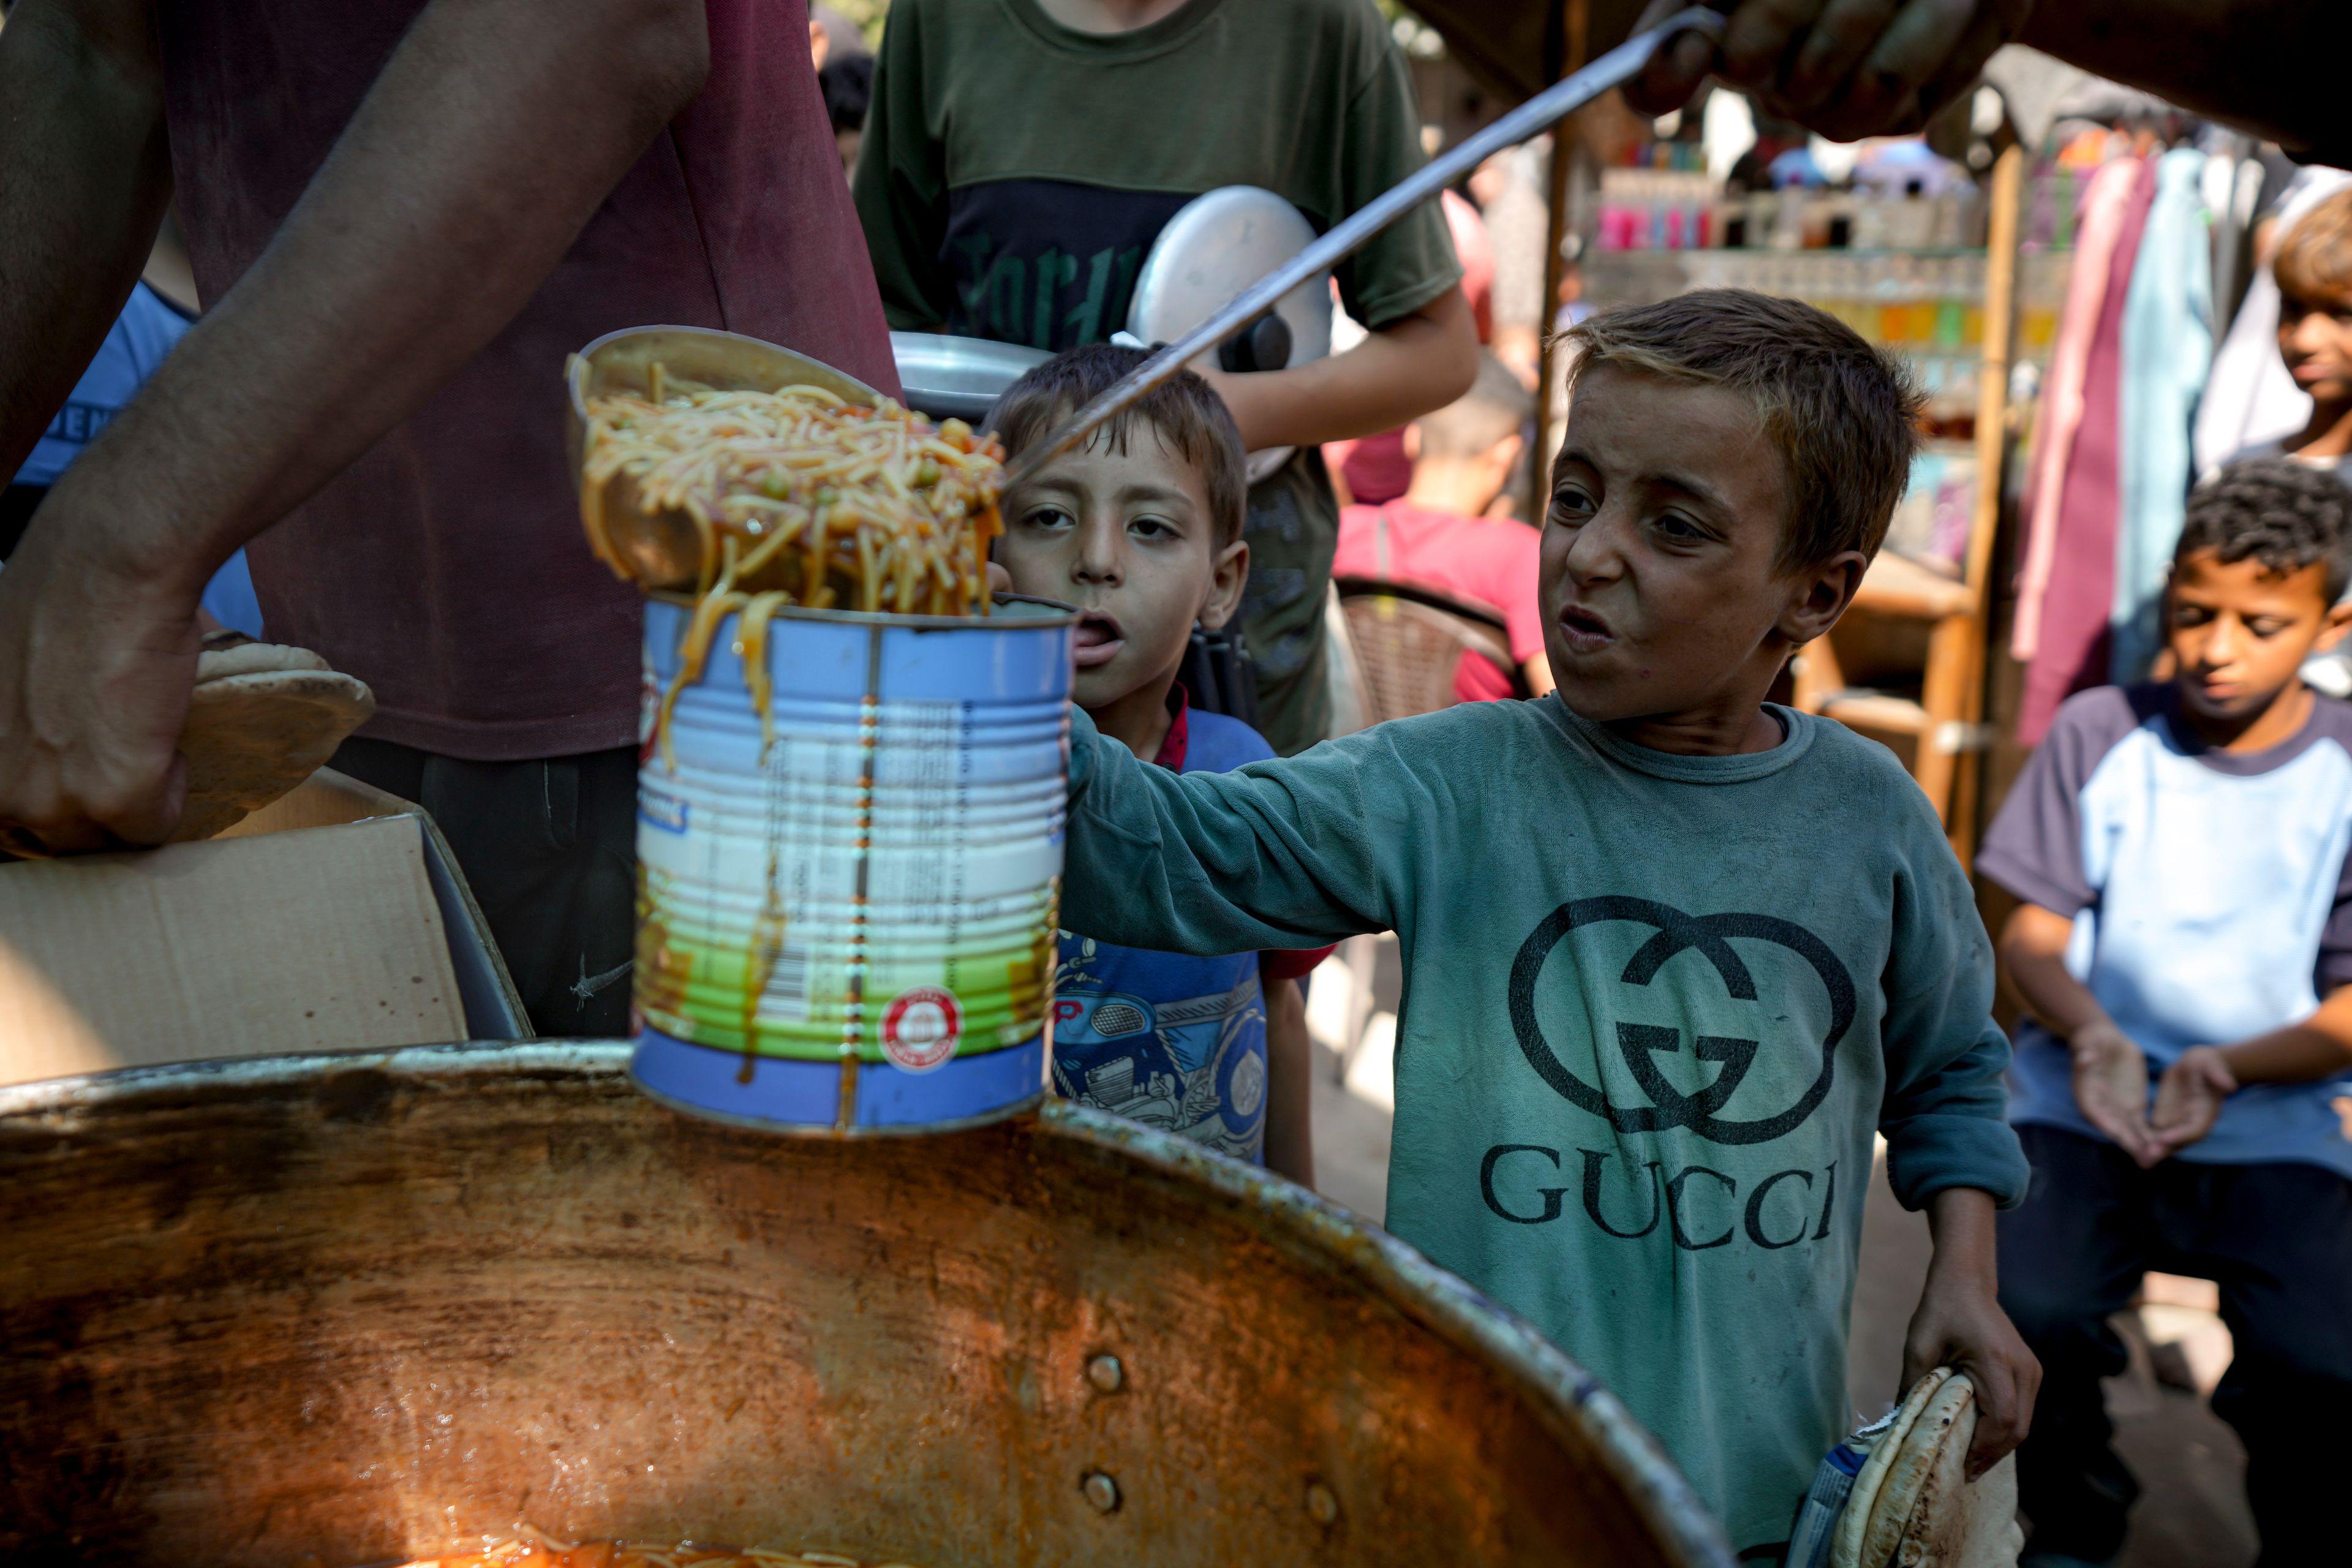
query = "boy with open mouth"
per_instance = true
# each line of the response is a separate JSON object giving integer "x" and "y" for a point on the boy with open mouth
{"x": 1672, "y": 954}
{"x": 1141, "y": 530}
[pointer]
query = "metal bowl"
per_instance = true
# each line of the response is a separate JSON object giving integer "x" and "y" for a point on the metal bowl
{"x": 662, "y": 549}
{"x": 373, "y": 1306}
{"x": 1215, "y": 247}
{"x": 948, "y": 377}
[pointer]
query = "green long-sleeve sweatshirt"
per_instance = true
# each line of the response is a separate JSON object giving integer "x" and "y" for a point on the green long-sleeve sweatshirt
{"x": 1654, "y": 1007}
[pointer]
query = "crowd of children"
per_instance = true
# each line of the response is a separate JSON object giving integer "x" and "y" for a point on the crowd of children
{"x": 1674, "y": 957}
{"x": 1672, "y": 954}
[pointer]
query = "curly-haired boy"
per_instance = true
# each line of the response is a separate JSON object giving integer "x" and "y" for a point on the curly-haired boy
{"x": 2184, "y": 851}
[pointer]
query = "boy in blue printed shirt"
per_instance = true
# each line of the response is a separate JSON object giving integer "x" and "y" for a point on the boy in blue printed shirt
{"x": 2182, "y": 851}
{"x": 1141, "y": 529}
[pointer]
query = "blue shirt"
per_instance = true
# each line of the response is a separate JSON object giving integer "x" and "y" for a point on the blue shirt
{"x": 2211, "y": 900}
{"x": 1169, "y": 1040}
{"x": 148, "y": 329}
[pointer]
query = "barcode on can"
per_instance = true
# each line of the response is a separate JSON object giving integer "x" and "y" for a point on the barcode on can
{"x": 786, "y": 996}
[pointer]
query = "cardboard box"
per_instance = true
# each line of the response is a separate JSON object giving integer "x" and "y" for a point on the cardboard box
{"x": 334, "y": 919}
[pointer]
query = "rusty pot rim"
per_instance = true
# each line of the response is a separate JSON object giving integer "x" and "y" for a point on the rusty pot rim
{"x": 1435, "y": 1297}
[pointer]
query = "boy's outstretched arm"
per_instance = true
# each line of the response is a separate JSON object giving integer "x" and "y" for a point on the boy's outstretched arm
{"x": 2110, "y": 1071}
{"x": 1286, "y": 853}
{"x": 1959, "y": 1323}
{"x": 2189, "y": 1098}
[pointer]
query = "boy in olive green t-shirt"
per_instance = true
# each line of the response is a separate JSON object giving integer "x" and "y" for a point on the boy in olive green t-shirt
{"x": 1671, "y": 955}
{"x": 1022, "y": 156}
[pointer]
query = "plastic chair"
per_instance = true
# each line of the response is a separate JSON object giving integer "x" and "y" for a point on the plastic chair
{"x": 1408, "y": 638}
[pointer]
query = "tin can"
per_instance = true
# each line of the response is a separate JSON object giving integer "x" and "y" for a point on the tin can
{"x": 846, "y": 907}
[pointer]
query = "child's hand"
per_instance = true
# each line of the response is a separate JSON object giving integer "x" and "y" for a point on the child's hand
{"x": 1959, "y": 1323}
{"x": 2189, "y": 1095}
{"x": 2111, "y": 1087}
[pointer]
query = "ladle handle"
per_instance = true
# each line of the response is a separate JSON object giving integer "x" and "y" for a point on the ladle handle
{"x": 1547, "y": 108}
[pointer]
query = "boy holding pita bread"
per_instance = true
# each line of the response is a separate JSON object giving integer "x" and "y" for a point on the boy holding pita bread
{"x": 1672, "y": 954}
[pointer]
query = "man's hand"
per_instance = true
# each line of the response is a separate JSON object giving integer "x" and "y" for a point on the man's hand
{"x": 2111, "y": 1089}
{"x": 95, "y": 665}
{"x": 2188, "y": 1097}
{"x": 1848, "y": 69}
{"x": 488, "y": 138}
{"x": 1959, "y": 1323}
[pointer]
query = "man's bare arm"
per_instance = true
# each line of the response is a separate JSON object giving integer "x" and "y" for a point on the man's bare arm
{"x": 1851, "y": 70}
{"x": 2267, "y": 65}
{"x": 496, "y": 129}
{"x": 82, "y": 190}
{"x": 493, "y": 132}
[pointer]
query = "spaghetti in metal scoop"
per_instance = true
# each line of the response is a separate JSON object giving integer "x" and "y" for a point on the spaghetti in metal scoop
{"x": 802, "y": 493}
{"x": 797, "y": 497}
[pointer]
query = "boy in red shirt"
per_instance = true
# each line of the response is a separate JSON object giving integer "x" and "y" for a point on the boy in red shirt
{"x": 1437, "y": 534}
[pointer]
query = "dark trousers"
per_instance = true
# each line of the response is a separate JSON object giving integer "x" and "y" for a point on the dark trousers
{"x": 2277, "y": 1238}
{"x": 548, "y": 848}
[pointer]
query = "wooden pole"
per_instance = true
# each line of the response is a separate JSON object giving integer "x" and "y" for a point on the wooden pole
{"x": 1567, "y": 40}
{"x": 1951, "y": 757}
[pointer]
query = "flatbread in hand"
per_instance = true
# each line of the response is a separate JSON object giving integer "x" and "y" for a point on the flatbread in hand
{"x": 1914, "y": 1506}
{"x": 262, "y": 718}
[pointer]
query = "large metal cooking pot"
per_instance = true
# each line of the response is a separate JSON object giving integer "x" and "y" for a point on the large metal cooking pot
{"x": 364, "y": 1307}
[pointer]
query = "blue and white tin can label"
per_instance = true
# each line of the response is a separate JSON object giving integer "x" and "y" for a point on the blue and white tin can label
{"x": 845, "y": 914}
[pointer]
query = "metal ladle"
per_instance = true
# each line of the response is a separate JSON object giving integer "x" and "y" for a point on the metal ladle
{"x": 1547, "y": 108}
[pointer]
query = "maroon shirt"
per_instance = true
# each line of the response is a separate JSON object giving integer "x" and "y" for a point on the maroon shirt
{"x": 445, "y": 567}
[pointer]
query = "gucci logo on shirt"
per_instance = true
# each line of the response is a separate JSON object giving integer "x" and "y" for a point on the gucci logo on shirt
{"x": 1641, "y": 1044}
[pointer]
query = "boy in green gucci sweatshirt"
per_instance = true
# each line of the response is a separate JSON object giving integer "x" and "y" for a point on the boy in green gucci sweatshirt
{"x": 1672, "y": 953}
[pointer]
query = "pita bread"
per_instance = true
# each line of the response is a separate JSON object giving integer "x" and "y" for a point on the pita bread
{"x": 1920, "y": 1510}
{"x": 262, "y": 717}
{"x": 1930, "y": 1463}
{"x": 1848, "y": 1551}
{"x": 253, "y": 659}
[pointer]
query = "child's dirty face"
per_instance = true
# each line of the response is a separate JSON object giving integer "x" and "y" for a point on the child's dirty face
{"x": 2239, "y": 630}
{"x": 2315, "y": 341}
{"x": 1659, "y": 582}
{"x": 1127, "y": 537}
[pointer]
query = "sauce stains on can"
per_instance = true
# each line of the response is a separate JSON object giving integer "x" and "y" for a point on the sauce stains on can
{"x": 845, "y": 917}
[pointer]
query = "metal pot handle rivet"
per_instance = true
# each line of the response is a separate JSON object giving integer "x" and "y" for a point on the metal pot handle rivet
{"x": 1105, "y": 1373}
{"x": 1102, "y": 1492}
{"x": 1321, "y": 1506}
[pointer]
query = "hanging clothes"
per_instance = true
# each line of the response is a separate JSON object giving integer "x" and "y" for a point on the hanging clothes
{"x": 2250, "y": 398}
{"x": 2167, "y": 348}
{"x": 2078, "y": 593}
{"x": 2104, "y": 204}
